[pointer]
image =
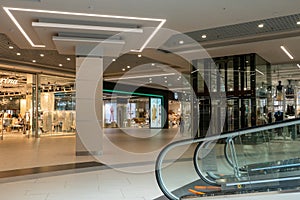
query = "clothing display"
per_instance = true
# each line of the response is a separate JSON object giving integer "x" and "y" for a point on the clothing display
{"x": 278, "y": 116}
{"x": 290, "y": 110}
{"x": 289, "y": 91}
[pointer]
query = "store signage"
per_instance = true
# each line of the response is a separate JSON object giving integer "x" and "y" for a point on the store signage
{"x": 8, "y": 81}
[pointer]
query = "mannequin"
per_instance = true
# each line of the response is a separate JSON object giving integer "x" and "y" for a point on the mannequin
{"x": 289, "y": 91}
{"x": 279, "y": 93}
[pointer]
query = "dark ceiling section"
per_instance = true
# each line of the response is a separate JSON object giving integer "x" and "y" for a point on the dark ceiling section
{"x": 49, "y": 58}
{"x": 236, "y": 31}
{"x": 273, "y": 25}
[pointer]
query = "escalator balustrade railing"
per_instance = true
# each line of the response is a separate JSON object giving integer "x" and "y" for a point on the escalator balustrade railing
{"x": 263, "y": 158}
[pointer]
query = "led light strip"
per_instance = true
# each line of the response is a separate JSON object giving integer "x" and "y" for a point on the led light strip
{"x": 287, "y": 52}
{"x": 9, "y": 9}
{"x": 21, "y": 29}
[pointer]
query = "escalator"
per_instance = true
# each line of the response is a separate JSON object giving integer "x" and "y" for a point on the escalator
{"x": 264, "y": 160}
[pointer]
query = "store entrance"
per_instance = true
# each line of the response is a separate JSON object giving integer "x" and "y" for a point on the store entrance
{"x": 54, "y": 100}
{"x": 15, "y": 104}
{"x": 57, "y": 114}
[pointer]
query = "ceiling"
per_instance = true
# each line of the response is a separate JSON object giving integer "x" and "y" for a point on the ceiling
{"x": 230, "y": 27}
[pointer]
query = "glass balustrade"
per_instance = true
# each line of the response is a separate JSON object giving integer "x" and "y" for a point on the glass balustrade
{"x": 261, "y": 159}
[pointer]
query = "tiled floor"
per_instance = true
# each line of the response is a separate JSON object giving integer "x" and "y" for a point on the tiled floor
{"x": 129, "y": 174}
{"x": 94, "y": 183}
{"x": 99, "y": 184}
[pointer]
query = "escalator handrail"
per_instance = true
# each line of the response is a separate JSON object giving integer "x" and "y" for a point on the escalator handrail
{"x": 158, "y": 166}
{"x": 162, "y": 154}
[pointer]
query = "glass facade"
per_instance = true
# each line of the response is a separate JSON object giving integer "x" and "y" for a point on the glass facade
{"x": 36, "y": 105}
{"x": 245, "y": 79}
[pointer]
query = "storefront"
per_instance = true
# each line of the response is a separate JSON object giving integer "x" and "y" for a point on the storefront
{"x": 19, "y": 100}
{"x": 134, "y": 110}
{"x": 126, "y": 112}
{"x": 178, "y": 111}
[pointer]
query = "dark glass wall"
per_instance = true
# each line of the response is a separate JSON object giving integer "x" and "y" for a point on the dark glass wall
{"x": 239, "y": 77}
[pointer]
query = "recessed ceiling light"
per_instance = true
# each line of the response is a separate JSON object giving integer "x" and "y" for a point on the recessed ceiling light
{"x": 298, "y": 65}
{"x": 153, "y": 64}
{"x": 18, "y": 54}
{"x": 10, "y": 47}
{"x": 260, "y": 25}
{"x": 42, "y": 55}
{"x": 166, "y": 81}
{"x": 165, "y": 77}
{"x": 139, "y": 55}
{"x": 181, "y": 42}
{"x": 34, "y": 61}
{"x": 204, "y": 36}
{"x": 298, "y": 22}
{"x": 128, "y": 67}
{"x": 123, "y": 69}
{"x": 287, "y": 52}
{"x": 150, "y": 79}
{"x": 113, "y": 60}
{"x": 60, "y": 65}
{"x": 68, "y": 59}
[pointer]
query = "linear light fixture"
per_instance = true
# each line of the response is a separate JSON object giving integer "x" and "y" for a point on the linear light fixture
{"x": 135, "y": 77}
{"x": 9, "y": 9}
{"x": 298, "y": 65}
{"x": 86, "y": 27}
{"x": 287, "y": 52}
{"x": 195, "y": 71}
{"x": 259, "y": 72}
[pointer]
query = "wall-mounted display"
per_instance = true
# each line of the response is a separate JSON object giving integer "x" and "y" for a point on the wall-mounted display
{"x": 155, "y": 112}
{"x": 110, "y": 112}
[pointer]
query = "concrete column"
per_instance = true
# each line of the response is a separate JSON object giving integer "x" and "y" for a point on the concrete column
{"x": 89, "y": 105}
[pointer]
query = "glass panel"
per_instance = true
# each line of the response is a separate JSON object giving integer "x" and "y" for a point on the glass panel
{"x": 230, "y": 76}
{"x": 260, "y": 159}
{"x": 57, "y": 106}
{"x": 35, "y": 104}
{"x": 200, "y": 75}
